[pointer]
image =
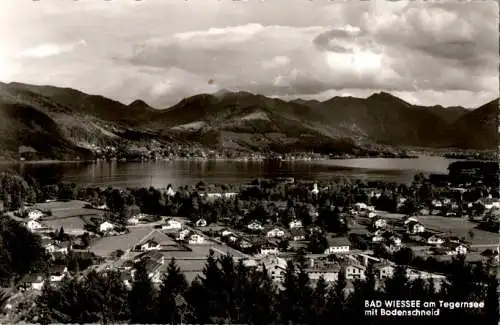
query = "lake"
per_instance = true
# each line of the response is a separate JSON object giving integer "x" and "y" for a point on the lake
{"x": 160, "y": 174}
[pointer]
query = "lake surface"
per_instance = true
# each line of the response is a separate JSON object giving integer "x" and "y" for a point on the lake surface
{"x": 160, "y": 174}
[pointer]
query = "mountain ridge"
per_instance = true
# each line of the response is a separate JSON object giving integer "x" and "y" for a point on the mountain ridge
{"x": 241, "y": 120}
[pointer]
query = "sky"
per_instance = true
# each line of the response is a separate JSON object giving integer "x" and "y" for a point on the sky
{"x": 161, "y": 51}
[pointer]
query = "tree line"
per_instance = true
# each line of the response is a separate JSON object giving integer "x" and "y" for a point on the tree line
{"x": 227, "y": 292}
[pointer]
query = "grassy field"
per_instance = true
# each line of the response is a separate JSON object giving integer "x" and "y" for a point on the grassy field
{"x": 66, "y": 214}
{"x": 459, "y": 227}
{"x": 104, "y": 246}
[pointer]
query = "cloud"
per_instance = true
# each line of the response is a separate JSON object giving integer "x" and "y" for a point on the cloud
{"x": 447, "y": 53}
{"x": 47, "y": 50}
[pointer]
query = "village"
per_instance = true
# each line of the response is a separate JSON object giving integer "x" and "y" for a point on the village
{"x": 374, "y": 238}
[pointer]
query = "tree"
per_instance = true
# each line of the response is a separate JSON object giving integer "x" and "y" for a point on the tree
{"x": 287, "y": 307}
{"x": 173, "y": 286}
{"x": 396, "y": 286}
{"x": 141, "y": 296}
{"x": 317, "y": 243}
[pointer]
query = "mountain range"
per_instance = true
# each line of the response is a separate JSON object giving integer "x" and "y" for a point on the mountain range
{"x": 60, "y": 123}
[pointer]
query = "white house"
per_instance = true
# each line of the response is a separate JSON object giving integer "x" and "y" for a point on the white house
{"x": 57, "y": 273}
{"x": 275, "y": 266}
{"x": 171, "y": 224}
{"x": 255, "y": 225}
{"x": 415, "y": 228}
{"x": 330, "y": 274}
{"x": 150, "y": 245}
{"x": 360, "y": 206}
{"x": 54, "y": 248}
{"x": 435, "y": 240}
{"x": 377, "y": 239}
{"x": 315, "y": 190}
{"x": 437, "y": 203}
{"x": 201, "y": 223}
{"x": 106, "y": 226}
{"x": 379, "y": 223}
{"x": 409, "y": 219}
{"x": 371, "y": 214}
{"x": 35, "y": 281}
{"x": 226, "y": 232}
{"x": 456, "y": 249}
{"x": 267, "y": 250}
{"x": 384, "y": 270}
{"x": 196, "y": 239}
{"x": 133, "y": 220}
{"x": 33, "y": 225}
{"x": 102, "y": 207}
{"x": 395, "y": 240}
{"x": 337, "y": 245}
{"x": 181, "y": 235}
{"x": 355, "y": 271}
{"x": 37, "y": 284}
{"x": 295, "y": 224}
{"x": 35, "y": 214}
{"x": 275, "y": 233}
{"x": 170, "y": 191}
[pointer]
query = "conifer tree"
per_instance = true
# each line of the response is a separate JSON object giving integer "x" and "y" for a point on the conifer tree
{"x": 173, "y": 286}
{"x": 141, "y": 296}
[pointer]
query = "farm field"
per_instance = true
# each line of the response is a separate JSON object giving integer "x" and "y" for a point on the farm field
{"x": 104, "y": 246}
{"x": 459, "y": 227}
{"x": 67, "y": 215}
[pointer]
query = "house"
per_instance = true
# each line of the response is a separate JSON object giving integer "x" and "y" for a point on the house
{"x": 153, "y": 270}
{"x": 360, "y": 206}
{"x": 269, "y": 249}
{"x": 275, "y": 266}
{"x": 171, "y": 224}
{"x": 409, "y": 219}
{"x": 337, "y": 245}
{"x": 295, "y": 224}
{"x": 225, "y": 232}
{"x": 127, "y": 279}
{"x": 371, "y": 214}
{"x": 170, "y": 191}
{"x": 255, "y": 225}
{"x": 435, "y": 240}
{"x": 33, "y": 225}
{"x": 456, "y": 249}
{"x": 437, "y": 203}
{"x": 133, "y": 220}
{"x": 56, "y": 248}
{"x": 181, "y": 235}
{"x": 106, "y": 226}
{"x": 150, "y": 245}
{"x": 297, "y": 234}
{"x": 329, "y": 274}
{"x": 377, "y": 239}
{"x": 415, "y": 228}
{"x": 275, "y": 233}
{"x": 102, "y": 207}
{"x": 395, "y": 240}
{"x": 57, "y": 273}
{"x": 384, "y": 270}
{"x": 35, "y": 214}
{"x": 201, "y": 223}
{"x": 33, "y": 281}
{"x": 379, "y": 222}
{"x": 315, "y": 189}
{"x": 354, "y": 271}
{"x": 196, "y": 239}
{"x": 244, "y": 244}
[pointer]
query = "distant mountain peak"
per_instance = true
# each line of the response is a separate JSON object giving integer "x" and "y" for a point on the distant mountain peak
{"x": 139, "y": 103}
